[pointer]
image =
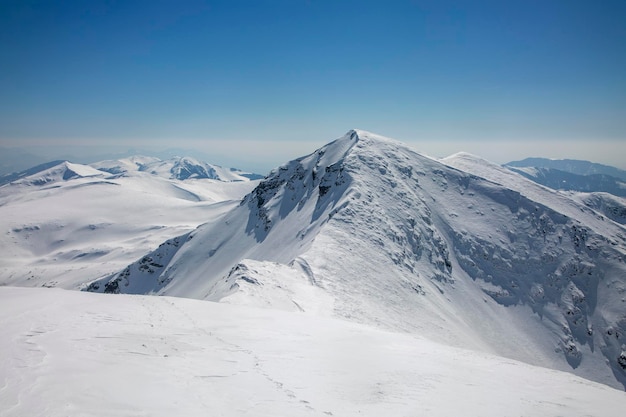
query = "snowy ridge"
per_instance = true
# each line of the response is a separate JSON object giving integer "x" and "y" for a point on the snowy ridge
{"x": 466, "y": 253}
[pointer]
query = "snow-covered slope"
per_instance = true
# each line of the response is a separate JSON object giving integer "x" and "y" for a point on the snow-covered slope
{"x": 66, "y": 224}
{"x": 69, "y": 353}
{"x": 462, "y": 251}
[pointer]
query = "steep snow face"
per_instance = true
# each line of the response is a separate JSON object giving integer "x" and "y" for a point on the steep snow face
{"x": 476, "y": 256}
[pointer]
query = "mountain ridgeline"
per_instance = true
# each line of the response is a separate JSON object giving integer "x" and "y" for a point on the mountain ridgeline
{"x": 178, "y": 168}
{"x": 460, "y": 251}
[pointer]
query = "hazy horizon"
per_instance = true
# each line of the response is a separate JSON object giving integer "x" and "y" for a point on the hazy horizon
{"x": 256, "y": 84}
{"x": 280, "y": 152}
{"x": 262, "y": 157}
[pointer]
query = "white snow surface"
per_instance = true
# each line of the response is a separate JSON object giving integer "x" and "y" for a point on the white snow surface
{"x": 80, "y": 354}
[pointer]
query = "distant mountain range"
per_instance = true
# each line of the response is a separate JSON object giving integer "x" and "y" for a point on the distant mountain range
{"x": 572, "y": 175}
{"x": 573, "y": 166}
{"x": 180, "y": 168}
{"x": 15, "y": 160}
{"x": 562, "y": 180}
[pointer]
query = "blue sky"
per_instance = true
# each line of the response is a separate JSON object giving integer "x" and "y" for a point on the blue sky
{"x": 267, "y": 81}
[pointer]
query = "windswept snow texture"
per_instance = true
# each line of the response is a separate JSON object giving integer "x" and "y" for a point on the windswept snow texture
{"x": 66, "y": 224}
{"x": 79, "y": 354}
{"x": 461, "y": 251}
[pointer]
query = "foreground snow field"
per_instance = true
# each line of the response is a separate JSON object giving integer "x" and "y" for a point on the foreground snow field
{"x": 81, "y": 354}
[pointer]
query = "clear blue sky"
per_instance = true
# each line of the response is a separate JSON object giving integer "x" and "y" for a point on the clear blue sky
{"x": 271, "y": 80}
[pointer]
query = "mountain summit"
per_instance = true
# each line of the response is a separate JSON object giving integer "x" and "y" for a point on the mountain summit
{"x": 459, "y": 251}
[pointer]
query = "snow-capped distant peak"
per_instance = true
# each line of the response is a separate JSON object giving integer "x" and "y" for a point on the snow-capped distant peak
{"x": 176, "y": 168}
{"x": 63, "y": 171}
{"x": 79, "y": 170}
{"x": 460, "y": 159}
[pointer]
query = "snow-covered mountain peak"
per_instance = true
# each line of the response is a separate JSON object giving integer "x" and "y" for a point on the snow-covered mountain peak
{"x": 372, "y": 140}
{"x": 187, "y": 167}
{"x": 462, "y": 251}
{"x": 71, "y": 170}
{"x": 62, "y": 171}
{"x": 329, "y": 177}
